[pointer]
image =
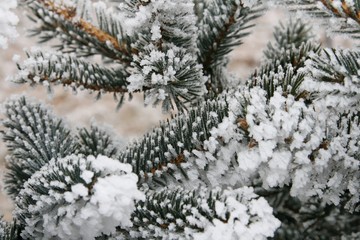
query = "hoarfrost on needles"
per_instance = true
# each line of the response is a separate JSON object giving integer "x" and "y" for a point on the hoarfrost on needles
{"x": 85, "y": 208}
{"x": 249, "y": 218}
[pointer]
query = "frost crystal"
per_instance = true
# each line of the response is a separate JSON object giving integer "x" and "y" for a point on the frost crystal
{"x": 8, "y": 21}
{"x": 78, "y": 208}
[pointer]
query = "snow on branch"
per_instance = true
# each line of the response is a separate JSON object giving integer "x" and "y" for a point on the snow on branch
{"x": 9, "y": 231}
{"x": 284, "y": 141}
{"x": 222, "y": 27}
{"x": 33, "y": 136}
{"x": 166, "y": 60}
{"x": 73, "y": 23}
{"x": 203, "y": 215}
{"x": 283, "y": 147}
{"x": 161, "y": 155}
{"x": 52, "y": 68}
{"x": 172, "y": 77}
{"x": 78, "y": 198}
{"x": 333, "y": 77}
{"x": 340, "y": 16}
{"x": 97, "y": 141}
{"x": 292, "y": 46}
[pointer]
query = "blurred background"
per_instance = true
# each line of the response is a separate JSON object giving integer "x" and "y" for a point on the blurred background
{"x": 133, "y": 119}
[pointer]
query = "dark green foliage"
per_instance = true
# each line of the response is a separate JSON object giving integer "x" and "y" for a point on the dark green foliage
{"x": 167, "y": 144}
{"x": 68, "y": 70}
{"x": 82, "y": 38}
{"x": 96, "y": 141}
{"x": 33, "y": 136}
{"x": 174, "y": 207}
{"x": 289, "y": 81}
{"x": 309, "y": 220}
{"x": 221, "y": 29}
{"x": 334, "y": 65}
{"x": 288, "y": 46}
{"x": 326, "y": 12}
{"x": 283, "y": 58}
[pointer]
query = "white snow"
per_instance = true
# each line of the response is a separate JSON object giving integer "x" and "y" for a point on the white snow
{"x": 8, "y": 21}
{"x": 250, "y": 219}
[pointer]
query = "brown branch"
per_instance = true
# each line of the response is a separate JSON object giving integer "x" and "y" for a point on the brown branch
{"x": 176, "y": 161}
{"x": 346, "y": 9}
{"x": 69, "y": 82}
{"x": 221, "y": 36}
{"x": 209, "y": 59}
{"x": 69, "y": 14}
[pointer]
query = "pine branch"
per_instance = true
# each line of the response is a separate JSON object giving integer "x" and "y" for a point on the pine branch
{"x": 77, "y": 197}
{"x": 33, "y": 136}
{"x": 65, "y": 22}
{"x": 346, "y": 14}
{"x": 174, "y": 78}
{"x": 335, "y": 74}
{"x": 63, "y": 195}
{"x": 287, "y": 40}
{"x": 131, "y": 6}
{"x": 97, "y": 142}
{"x": 334, "y": 66}
{"x": 162, "y": 65}
{"x": 283, "y": 59}
{"x": 183, "y": 214}
{"x": 57, "y": 68}
{"x": 170, "y": 24}
{"x": 166, "y": 62}
{"x": 222, "y": 28}
{"x": 171, "y": 76}
{"x": 162, "y": 153}
{"x": 287, "y": 79}
{"x": 311, "y": 219}
{"x": 292, "y": 132}
{"x": 348, "y": 9}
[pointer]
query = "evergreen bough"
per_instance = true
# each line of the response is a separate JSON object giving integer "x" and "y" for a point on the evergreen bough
{"x": 276, "y": 157}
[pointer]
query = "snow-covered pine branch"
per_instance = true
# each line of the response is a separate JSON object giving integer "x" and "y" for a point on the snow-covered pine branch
{"x": 161, "y": 157}
{"x": 97, "y": 141}
{"x": 74, "y": 24}
{"x": 341, "y": 16}
{"x": 284, "y": 147}
{"x": 200, "y": 214}
{"x": 284, "y": 57}
{"x": 221, "y": 28}
{"x": 56, "y": 68}
{"x": 34, "y": 136}
{"x": 77, "y": 197}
